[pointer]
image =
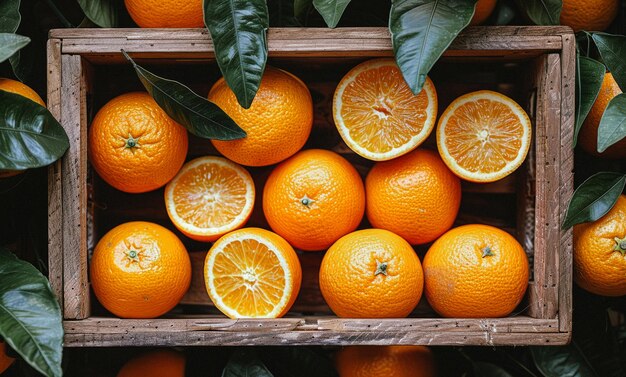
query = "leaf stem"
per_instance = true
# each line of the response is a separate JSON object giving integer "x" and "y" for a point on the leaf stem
{"x": 58, "y": 13}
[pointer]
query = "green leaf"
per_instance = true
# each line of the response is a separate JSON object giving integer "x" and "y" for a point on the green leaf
{"x": 300, "y": 7}
{"x": 612, "y": 126}
{"x": 199, "y": 116}
{"x": 421, "y": 30}
{"x": 30, "y": 317}
{"x": 11, "y": 43}
{"x": 238, "y": 29}
{"x": 22, "y": 63}
{"x": 594, "y": 198}
{"x": 104, "y": 13}
{"x": 612, "y": 49}
{"x": 331, "y": 10}
{"x": 565, "y": 361}
{"x": 484, "y": 369}
{"x": 542, "y": 12}
{"x": 10, "y": 17}
{"x": 245, "y": 363}
{"x": 30, "y": 137}
{"x": 298, "y": 362}
{"x": 589, "y": 76}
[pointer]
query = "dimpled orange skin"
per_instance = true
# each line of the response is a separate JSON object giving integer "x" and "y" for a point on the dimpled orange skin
{"x": 415, "y": 196}
{"x": 387, "y": 361}
{"x": 144, "y": 284}
{"x": 160, "y": 363}
{"x": 277, "y": 124}
{"x": 475, "y": 271}
{"x": 166, "y": 13}
{"x": 588, "y": 136}
{"x": 5, "y": 361}
{"x": 589, "y": 15}
{"x": 484, "y": 8}
{"x": 313, "y": 199}
{"x": 134, "y": 146}
{"x": 371, "y": 273}
{"x": 599, "y": 262}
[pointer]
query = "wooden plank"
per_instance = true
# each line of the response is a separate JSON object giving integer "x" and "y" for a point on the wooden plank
{"x": 544, "y": 293}
{"x": 74, "y": 173}
{"x": 568, "y": 76}
{"x": 55, "y": 188}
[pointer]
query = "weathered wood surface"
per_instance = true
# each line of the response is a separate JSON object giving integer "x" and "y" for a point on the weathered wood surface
{"x": 74, "y": 173}
{"x": 55, "y": 188}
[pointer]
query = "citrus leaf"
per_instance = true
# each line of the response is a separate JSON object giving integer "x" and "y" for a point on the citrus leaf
{"x": 542, "y": 12}
{"x": 331, "y": 10}
{"x": 30, "y": 137}
{"x": 245, "y": 363}
{"x": 421, "y": 30}
{"x": 594, "y": 198}
{"x": 612, "y": 49}
{"x": 298, "y": 362}
{"x": 198, "y": 115}
{"x": 22, "y": 63}
{"x": 484, "y": 369}
{"x": 589, "y": 76}
{"x": 30, "y": 317}
{"x": 565, "y": 361}
{"x": 11, "y": 43}
{"x": 104, "y": 13}
{"x": 612, "y": 126}
{"x": 238, "y": 29}
{"x": 10, "y": 17}
{"x": 300, "y": 7}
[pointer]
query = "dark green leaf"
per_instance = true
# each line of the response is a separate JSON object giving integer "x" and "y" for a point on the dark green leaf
{"x": 245, "y": 363}
{"x": 30, "y": 137}
{"x": 298, "y": 362}
{"x": 201, "y": 117}
{"x": 484, "y": 369}
{"x": 542, "y": 12}
{"x": 22, "y": 63}
{"x": 10, "y": 44}
{"x": 30, "y": 317}
{"x": 9, "y": 16}
{"x": 589, "y": 76}
{"x": 104, "y": 13}
{"x": 565, "y": 361}
{"x": 238, "y": 30}
{"x": 612, "y": 126}
{"x": 594, "y": 198}
{"x": 331, "y": 10}
{"x": 613, "y": 51}
{"x": 421, "y": 30}
{"x": 300, "y": 7}
{"x": 505, "y": 13}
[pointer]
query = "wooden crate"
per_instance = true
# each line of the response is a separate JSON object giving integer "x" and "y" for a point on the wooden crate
{"x": 534, "y": 65}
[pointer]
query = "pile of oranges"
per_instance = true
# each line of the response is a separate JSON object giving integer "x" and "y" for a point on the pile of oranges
{"x": 315, "y": 200}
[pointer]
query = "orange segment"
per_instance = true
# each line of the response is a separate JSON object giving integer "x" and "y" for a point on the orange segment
{"x": 252, "y": 272}
{"x": 209, "y": 197}
{"x": 483, "y": 136}
{"x": 376, "y": 113}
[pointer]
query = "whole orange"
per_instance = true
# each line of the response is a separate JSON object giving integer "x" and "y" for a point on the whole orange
{"x": 388, "y": 361}
{"x": 415, "y": 196}
{"x": 600, "y": 253}
{"x": 475, "y": 271}
{"x": 314, "y": 198}
{"x": 140, "y": 270}
{"x": 134, "y": 146}
{"x": 166, "y": 13}
{"x": 589, "y": 15}
{"x": 484, "y": 8}
{"x": 277, "y": 124}
{"x": 371, "y": 273}
{"x": 25, "y": 91}
{"x": 160, "y": 363}
{"x": 5, "y": 361}
{"x": 588, "y": 136}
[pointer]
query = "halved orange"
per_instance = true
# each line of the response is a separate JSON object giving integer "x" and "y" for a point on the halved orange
{"x": 483, "y": 136}
{"x": 252, "y": 273}
{"x": 376, "y": 113}
{"x": 209, "y": 197}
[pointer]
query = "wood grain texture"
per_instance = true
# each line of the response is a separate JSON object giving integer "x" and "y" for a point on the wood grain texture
{"x": 74, "y": 168}
{"x": 55, "y": 188}
{"x": 568, "y": 77}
